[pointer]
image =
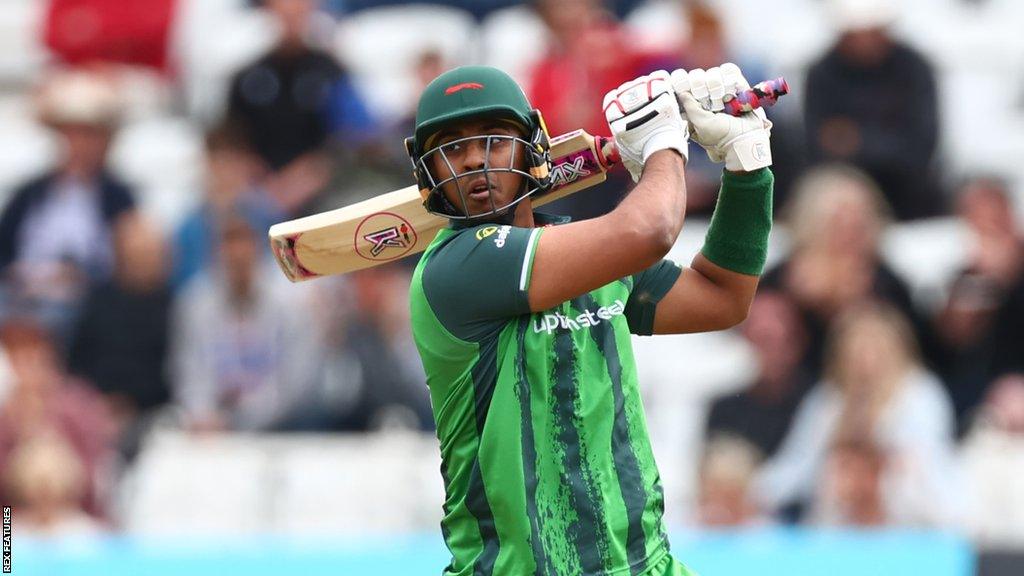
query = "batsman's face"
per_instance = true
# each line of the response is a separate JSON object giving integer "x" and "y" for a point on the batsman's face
{"x": 473, "y": 163}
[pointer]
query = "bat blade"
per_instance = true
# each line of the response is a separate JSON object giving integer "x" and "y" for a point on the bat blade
{"x": 395, "y": 225}
{"x": 358, "y": 236}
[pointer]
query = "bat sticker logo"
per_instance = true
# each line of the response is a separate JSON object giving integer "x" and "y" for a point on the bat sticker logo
{"x": 384, "y": 236}
{"x": 568, "y": 172}
{"x": 388, "y": 238}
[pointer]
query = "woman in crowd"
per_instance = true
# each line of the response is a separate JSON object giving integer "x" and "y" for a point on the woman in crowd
{"x": 874, "y": 388}
{"x": 836, "y": 220}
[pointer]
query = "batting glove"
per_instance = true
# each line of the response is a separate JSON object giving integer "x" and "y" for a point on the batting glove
{"x": 742, "y": 142}
{"x": 644, "y": 118}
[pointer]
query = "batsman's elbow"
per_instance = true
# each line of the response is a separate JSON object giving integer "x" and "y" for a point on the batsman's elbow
{"x": 736, "y": 315}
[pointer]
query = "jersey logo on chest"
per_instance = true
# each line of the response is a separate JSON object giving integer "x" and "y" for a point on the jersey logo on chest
{"x": 549, "y": 322}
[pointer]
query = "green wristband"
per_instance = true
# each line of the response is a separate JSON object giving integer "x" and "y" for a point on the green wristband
{"x": 737, "y": 239}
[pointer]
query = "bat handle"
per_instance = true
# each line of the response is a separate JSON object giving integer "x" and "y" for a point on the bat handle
{"x": 607, "y": 151}
{"x": 765, "y": 93}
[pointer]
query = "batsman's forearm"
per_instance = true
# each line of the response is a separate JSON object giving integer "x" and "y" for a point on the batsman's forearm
{"x": 657, "y": 205}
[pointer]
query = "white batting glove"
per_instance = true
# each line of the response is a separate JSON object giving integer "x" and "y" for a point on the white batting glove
{"x": 644, "y": 118}
{"x": 742, "y": 142}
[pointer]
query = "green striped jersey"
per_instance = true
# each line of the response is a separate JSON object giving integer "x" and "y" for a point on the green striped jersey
{"x": 546, "y": 460}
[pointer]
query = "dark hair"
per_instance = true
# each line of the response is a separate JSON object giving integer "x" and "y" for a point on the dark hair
{"x": 228, "y": 135}
{"x": 20, "y": 333}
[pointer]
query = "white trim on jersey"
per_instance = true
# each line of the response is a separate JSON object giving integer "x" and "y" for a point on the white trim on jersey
{"x": 527, "y": 259}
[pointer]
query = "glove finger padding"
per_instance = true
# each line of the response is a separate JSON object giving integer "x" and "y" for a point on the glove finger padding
{"x": 644, "y": 118}
{"x": 733, "y": 78}
{"x": 706, "y": 131}
{"x": 742, "y": 142}
{"x": 716, "y": 88}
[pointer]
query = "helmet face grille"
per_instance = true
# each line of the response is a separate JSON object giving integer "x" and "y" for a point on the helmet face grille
{"x": 445, "y": 157}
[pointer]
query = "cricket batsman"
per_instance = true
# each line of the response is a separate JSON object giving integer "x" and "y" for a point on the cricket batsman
{"x": 523, "y": 320}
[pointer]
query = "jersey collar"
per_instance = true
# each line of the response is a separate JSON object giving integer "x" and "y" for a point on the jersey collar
{"x": 540, "y": 219}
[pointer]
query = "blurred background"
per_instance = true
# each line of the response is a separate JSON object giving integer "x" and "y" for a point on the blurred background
{"x": 169, "y": 404}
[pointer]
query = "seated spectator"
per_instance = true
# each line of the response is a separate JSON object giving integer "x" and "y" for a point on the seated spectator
{"x": 47, "y": 481}
{"x": 588, "y": 55}
{"x": 120, "y": 343}
{"x": 851, "y": 491}
{"x": 836, "y": 219}
{"x": 378, "y": 338}
{"x": 871, "y": 101}
{"x": 243, "y": 352}
{"x": 45, "y": 402}
{"x": 966, "y": 350}
{"x": 373, "y": 375}
{"x": 993, "y": 460}
{"x": 55, "y": 232}
{"x": 726, "y": 472}
{"x": 874, "y": 387}
{"x": 290, "y": 101}
{"x": 232, "y": 175}
{"x": 761, "y": 413}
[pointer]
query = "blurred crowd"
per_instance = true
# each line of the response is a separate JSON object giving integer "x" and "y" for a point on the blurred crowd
{"x": 867, "y": 407}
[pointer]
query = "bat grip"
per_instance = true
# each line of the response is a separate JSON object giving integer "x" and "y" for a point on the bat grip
{"x": 765, "y": 93}
{"x": 761, "y": 94}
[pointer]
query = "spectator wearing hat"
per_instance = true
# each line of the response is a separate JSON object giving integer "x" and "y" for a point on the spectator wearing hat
{"x": 55, "y": 232}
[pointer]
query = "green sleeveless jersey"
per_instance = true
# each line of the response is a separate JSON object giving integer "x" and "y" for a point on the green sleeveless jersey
{"x": 546, "y": 460}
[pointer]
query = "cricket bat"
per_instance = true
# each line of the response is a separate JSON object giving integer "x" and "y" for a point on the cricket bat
{"x": 395, "y": 225}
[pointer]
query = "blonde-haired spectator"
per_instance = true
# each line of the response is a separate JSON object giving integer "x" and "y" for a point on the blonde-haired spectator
{"x": 47, "y": 481}
{"x": 727, "y": 470}
{"x": 836, "y": 218}
{"x": 874, "y": 387}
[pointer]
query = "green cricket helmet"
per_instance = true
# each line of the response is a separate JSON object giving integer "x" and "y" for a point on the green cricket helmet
{"x": 471, "y": 93}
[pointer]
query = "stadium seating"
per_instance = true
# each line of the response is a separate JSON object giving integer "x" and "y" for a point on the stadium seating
{"x": 513, "y": 39}
{"x": 21, "y": 48}
{"x": 384, "y": 70}
{"x": 239, "y": 484}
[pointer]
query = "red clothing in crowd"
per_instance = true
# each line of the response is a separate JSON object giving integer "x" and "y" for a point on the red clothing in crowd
{"x": 568, "y": 85}
{"x": 133, "y": 32}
